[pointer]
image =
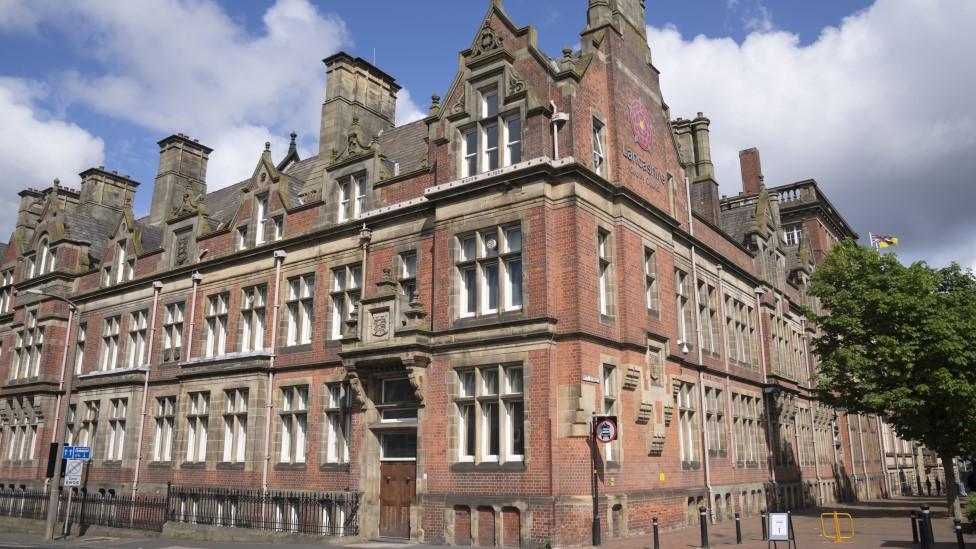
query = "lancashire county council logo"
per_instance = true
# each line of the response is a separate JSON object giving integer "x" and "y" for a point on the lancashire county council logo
{"x": 640, "y": 122}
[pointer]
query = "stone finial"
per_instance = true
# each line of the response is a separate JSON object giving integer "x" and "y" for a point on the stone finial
{"x": 267, "y": 146}
{"x": 57, "y": 182}
{"x": 435, "y": 100}
{"x": 291, "y": 144}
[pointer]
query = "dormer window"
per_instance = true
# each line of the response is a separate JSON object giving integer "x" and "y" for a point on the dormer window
{"x": 495, "y": 141}
{"x": 792, "y": 234}
{"x": 262, "y": 218}
{"x": 28, "y": 267}
{"x": 45, "y": 257}
{"x": 352, "y": 197}
{"x": 124, "y": 268}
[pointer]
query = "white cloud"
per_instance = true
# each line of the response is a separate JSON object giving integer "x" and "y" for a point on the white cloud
{"x": 878, "y": 110}
{"x": 34, "y": 148}
{"x": 406, "y": 110}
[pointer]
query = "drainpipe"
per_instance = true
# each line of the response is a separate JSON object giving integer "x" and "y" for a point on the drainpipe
{"x": 279, "y": 257}
{"x": 57, "y": 405}
{"x": 157, "y": 288}
{"x": 850, "y": 439}
{"x": 864, "y": 460}
{"x": 64, "y": 365}
{"x": 813, "y": 429}
{"x": 557, "y": 118}
{"x": 701, "y": 373}
{"x": 884, "y": 458}
{"x": 728, "y": 383}
{"x": 196, "y": 277}
{"x": 762, "y": 362}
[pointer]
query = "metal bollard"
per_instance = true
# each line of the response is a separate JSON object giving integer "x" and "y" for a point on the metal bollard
{"x": 738, "y": 530}
{"x": 914, "y": 527}
{"x": 657, "y": 540}
{"x": 928, "y": 538}
{"x": 762, "y": 519}
{"x": 957, "y": 526}
{"x": 703, "y": 523}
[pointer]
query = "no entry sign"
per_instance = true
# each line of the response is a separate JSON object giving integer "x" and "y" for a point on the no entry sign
{"x": 605, "y": 429}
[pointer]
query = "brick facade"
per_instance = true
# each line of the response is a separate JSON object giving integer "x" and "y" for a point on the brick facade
{"x": 487, "y": 384}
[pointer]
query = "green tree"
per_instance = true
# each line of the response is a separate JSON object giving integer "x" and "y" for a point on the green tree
{"x": 900, "y": 342}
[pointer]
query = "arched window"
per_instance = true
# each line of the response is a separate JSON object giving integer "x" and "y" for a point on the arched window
{"x": 45, "y": 257}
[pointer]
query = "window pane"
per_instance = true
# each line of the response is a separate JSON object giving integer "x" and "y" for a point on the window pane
{"x": 491, "y": 281}
{"x": 397, "y": 390}
{"x": 468, "y": 277}
{"x": 489, "y": 382}
{"x": 516, "y": 416}
{"x": 491, "y": 428}
{"x": 466, "y": 382}
{"x": 467, "y": 418}
{"x": 467, "y": 248}
{"x": 514, "y": 268}
{"x": 513, "y": 239}
{"x": 490, "y": 99}
{"x": 399, "y": 445}
{"x": 514, "y": 380}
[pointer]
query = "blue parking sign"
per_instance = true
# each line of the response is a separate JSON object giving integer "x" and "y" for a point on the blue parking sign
{"x": 76, "y": 452}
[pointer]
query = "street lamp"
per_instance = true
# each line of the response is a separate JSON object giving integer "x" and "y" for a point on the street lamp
{"x": 52, "y": 503}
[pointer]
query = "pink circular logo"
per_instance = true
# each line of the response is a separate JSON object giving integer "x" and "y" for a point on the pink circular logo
{"x": 640, "y": 122}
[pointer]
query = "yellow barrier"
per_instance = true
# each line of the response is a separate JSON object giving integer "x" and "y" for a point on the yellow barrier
{"x": 837, "y": 535}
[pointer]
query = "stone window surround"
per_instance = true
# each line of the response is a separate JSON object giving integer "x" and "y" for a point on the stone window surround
{"x": 278, "y": 422}
{"x": 599, "y": 118}
{"x": 613, "y": 452}
{"x": 472, "y": 98}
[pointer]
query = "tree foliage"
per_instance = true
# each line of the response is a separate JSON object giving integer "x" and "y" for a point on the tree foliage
{"x": 899, "y": 341}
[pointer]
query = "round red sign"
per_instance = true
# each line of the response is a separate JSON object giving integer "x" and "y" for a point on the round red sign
{"x": 605, "y": 430}
{"x": 640, "y": 122}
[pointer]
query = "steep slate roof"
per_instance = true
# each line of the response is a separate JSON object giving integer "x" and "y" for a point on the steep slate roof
{"x": 222, "y": 203}
{"x": 301, "y": 169}
{"x": 81, "y": 224}
{"x": 405, "y": 145}
{"x": 738, "y": 221}
{"x": 152, "y": 236}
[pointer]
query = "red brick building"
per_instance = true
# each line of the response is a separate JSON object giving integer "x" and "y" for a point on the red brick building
{"x": 429, "y": 315}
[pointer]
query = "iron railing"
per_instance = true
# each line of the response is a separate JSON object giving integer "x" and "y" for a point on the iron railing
{"x": 314, "y": 513}
{"x": 322, "y": 513}
{"x": 23, "y": 503}
{"x": 142, "y": 512}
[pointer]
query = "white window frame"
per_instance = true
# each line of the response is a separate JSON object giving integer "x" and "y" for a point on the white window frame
{"x": 235, "y": 425}
{"x": 346, "y": 287}
{"x": 489, "y": 397}
{"x": 110, "y": 343}
{"x": 599, "y": 145}
{"x": 610, "y": 390}
{"x": 477, "y": 149}
{"x": 136, "y": 346}
{"x": 338, "y": 422}
{"x": 165, "y": 426}
{"x": 293, "y": 420}
{"x": 688, "y": 436}
{"x": 260, "y": 218}
{"x": 489, "y": 268}
{"x": 605, "y": 271}
{"x": 253, "y": 304}
{"x": 300, "y": 304}
{"x": 115, "y": 450}
{"x": 173, "y": 325}
{"x": 198, "y": 424}
{"x": 216, "y": 321}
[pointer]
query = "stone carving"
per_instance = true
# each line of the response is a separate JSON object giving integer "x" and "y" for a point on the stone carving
{"x": 381, "y": 324}
{"x": 188, "y": 205}
{"x": 458, "y": 107}
{"x": 515, "y": 85}
{"x": 645, "y": 412}
{"x": 668, "y": 413}
{"x": 311, "y": 195}
{"x": 182, "y": 249}
{"x": 417, "y": 374}
{"x": 488, "y": 41}
{"x": 632, "y": 378}
{"x": 657, "y": 445}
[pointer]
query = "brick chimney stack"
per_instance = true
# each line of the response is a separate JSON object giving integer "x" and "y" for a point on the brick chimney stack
{"x": 751, "y": 167}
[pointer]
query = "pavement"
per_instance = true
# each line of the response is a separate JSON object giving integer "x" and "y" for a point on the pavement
{"x": 878, "y": 524}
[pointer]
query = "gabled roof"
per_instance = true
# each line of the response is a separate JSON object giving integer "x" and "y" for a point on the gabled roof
{"x": 81, "y": 224}
{"x": 222, "y": 204}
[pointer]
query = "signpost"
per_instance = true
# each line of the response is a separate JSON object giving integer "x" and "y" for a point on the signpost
{"x": 74, "y": 470}
{"x": 781, "y": 529}
{"x": 604, "y": 431}
{"x": 76, "y": 452}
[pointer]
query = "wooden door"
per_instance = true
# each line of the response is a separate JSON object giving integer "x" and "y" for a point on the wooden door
{"x": 398, "y": 487}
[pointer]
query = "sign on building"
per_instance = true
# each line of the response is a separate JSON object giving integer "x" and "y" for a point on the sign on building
{"x": 605, "y": 429}
{"x": 76, "y": 452}
{"x": 73, "y": 470}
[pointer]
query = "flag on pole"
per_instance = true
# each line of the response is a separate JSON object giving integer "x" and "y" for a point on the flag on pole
{"x": 882, "y": 241}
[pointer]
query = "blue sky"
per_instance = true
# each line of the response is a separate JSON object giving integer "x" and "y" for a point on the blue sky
{"x": 868, "y": 98}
